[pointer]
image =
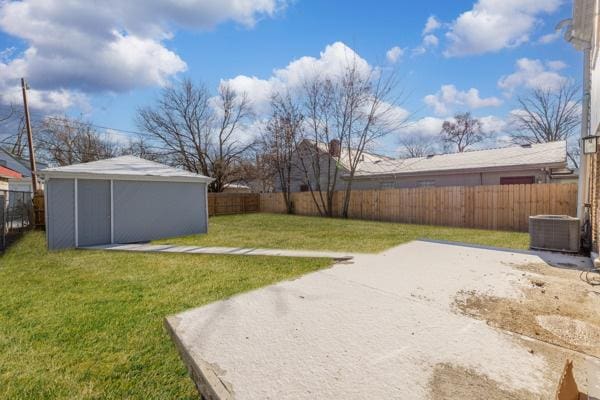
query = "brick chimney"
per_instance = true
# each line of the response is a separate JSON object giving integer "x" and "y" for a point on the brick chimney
{"x": 335, "y": 148}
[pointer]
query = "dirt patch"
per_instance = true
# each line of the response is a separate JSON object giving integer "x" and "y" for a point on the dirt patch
{"x": 456, "y": 382}
{"x": 556, "y": 307}
{"x": 571, "y": 330}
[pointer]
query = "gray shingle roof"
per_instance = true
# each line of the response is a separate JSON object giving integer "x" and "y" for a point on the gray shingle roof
{"x": 124, "y": 167}
{"x": 552, "y": 154}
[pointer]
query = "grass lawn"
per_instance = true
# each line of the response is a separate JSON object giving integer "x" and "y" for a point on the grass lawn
{"x": 89, "y": 325}
{"x": 315, "y": 233}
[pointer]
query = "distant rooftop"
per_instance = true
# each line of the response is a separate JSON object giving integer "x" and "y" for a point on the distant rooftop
{"x": 552, "y": 155}
{"x": 9, "y": 173}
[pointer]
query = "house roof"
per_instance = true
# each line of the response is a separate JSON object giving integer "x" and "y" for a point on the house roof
{"x": 551, "y": 155}
{"x": 9, "y": 173}
{"x": 125, "y": 168}
{"x": 345, "y": 155}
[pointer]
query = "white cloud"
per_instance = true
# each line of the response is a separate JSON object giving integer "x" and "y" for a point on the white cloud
{"x": 492, "y": 25}
{"x": 427, "y": 126}
{"x": 549, "y": 37}
{"x": 80, "y": 47}
{"x": 493, "y": 124}
{"x": 556, "y": 65}
{"x": 394, "y": 54}
{"x": 533, "y": 74}
{"x": 432, "y": 126}
{"x": 330, "y": 64}
{"x": 448, "y": 98}
{"x": 430, "y": 41}
{"x": 417, "y": 51}
{"x": 431, "y": 25}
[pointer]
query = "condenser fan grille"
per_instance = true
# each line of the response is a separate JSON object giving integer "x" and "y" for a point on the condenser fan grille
{"x": 554, "y": 232}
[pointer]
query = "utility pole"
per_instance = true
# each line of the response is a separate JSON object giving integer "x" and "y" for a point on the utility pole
{"x": 29, "y": 137}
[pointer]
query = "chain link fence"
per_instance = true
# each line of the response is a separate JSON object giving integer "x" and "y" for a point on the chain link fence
{"x": 16, "y": 216}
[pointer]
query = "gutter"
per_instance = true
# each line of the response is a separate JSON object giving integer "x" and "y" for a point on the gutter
{"x": 583, "y": 195}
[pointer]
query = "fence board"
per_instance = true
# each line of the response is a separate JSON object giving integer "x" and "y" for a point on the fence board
{"x": 234, "y": 203}
{"x": 504, "y": 207}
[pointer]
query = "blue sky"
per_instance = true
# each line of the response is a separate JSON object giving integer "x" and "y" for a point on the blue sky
{"x": 105, "y": 61}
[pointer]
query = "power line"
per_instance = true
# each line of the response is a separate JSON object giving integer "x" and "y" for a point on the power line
{"x": 82, "y": 123}
{"x": 71, "y": 121}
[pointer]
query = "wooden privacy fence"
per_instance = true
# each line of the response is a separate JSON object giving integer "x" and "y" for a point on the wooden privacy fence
{"x": 502, "y": 207}
{"x": 233, "y": 203}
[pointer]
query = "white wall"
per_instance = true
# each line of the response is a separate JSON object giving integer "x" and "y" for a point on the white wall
{"x": 465, "y": 179}
{"x": 595, "y": 97}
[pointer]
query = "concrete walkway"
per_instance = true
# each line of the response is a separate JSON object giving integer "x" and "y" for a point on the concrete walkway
{"x": 238, "y": 251}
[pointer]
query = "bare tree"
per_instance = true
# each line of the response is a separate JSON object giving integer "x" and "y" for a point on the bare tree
{"x": 280, "y": 140}
{"x": 140, "y": 147}
{"x": 13, "y": 121}
{"x": 226, "y": 149}
{"x": 345, "y": 115}
{"x": 257, "y": 174}
{"x": 547, "y": 115}
{"x": 574, "y": 154}
{"x": 199, "y": 132}
{"x": 462, "y": 133}
{"x": 416, "y": 146}
{"x": 18, "y": 142}
{"x": 64, "y": 141}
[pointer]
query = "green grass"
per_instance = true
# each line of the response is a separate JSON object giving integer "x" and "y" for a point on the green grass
{"x": 89, "y": 325}
{"x": 315, "y": 233}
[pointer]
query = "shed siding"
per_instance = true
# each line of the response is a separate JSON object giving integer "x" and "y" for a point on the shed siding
{"x": 60, "y": 213}
{"x": 93, "y": 210}
{"x": 153, "y": 210}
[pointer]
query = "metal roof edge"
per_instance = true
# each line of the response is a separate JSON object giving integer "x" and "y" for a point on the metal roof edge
{"x": 125, "y": 177}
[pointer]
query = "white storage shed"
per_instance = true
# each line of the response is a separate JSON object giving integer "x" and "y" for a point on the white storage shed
{"x": 122, "y": 200}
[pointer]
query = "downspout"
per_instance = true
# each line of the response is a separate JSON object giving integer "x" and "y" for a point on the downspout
{"x": 583, "y": 192}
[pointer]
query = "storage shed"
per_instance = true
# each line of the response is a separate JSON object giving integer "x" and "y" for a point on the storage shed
{"x": 122, "y": 200}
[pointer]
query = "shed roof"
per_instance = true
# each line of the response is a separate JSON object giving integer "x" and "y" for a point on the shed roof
{"x": 125, "y": 168}
{"x": 550, "y": 155}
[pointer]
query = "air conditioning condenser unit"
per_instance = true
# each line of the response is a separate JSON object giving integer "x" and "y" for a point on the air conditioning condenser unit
{"x": 555, "y": 233}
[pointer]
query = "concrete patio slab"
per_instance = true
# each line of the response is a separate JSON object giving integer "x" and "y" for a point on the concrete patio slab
{"x": 239, "y": 251}
{"x": 385, "y": 326}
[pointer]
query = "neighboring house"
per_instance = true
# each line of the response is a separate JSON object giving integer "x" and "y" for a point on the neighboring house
{"x": 536, "y": 163}
{"x": 20, "y": 165}
{"x": 329, "y": 157}
{"x": 6, "y": 175}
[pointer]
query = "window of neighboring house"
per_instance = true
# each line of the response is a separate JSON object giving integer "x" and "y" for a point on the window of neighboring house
{"x": 517, "y": 180}
{"x": 426, "y": 183}
{"x": 304, "y": 188}
{"x": 388, "y": 185}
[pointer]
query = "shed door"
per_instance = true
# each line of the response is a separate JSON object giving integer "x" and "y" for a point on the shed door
{"x": 93, "y": 212}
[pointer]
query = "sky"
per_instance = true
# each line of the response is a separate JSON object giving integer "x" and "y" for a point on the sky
{"x": 103, "y": 60}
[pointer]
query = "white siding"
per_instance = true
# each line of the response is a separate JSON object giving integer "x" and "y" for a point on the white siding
{"x": 595, "y": 100}
{"x": 153, "y": 210}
